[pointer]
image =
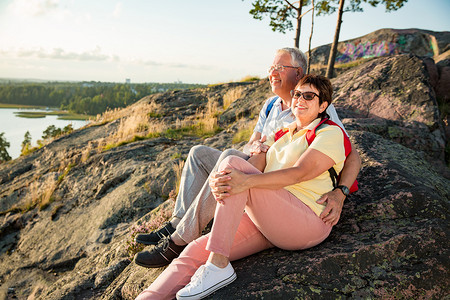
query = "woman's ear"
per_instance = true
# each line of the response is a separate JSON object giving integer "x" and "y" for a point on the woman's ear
{"x": 323, "y": 106}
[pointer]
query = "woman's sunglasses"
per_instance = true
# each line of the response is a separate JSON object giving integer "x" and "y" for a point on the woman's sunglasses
{"x": 306, "y": 95}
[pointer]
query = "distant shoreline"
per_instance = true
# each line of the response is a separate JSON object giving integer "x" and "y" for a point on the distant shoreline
{"x": 49, "y": 111}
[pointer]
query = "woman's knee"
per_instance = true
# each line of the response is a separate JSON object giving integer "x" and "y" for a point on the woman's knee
{"x": 232, "y": 161}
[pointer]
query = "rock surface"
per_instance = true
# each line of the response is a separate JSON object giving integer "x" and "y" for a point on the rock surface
{"x": 391, "y": 241}
{"x": 385, "y": 42}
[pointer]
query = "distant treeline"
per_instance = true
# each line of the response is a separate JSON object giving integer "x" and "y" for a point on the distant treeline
{"x": 89, "y": 98}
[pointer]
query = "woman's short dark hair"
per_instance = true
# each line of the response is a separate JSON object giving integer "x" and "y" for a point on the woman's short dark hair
{"x": 323, "y": 85}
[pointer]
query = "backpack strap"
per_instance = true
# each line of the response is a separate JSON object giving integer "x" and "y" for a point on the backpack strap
{"x": 311, "y": 135}
{"x": 270, "y": 105}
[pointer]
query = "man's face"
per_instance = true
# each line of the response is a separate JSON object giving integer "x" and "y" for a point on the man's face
{"x": 282, "y": 82}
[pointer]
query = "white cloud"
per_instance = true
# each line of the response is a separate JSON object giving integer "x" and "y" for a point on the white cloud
{"x": 34, "y": 7}
{"x": 95, "y": 55}
{"x": 117, "y": 10}
{"x": 152, "y": 63}
{"x": 61, "y": 54}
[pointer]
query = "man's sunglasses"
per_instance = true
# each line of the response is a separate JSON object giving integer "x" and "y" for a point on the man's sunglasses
{"x": 306, "y": 95}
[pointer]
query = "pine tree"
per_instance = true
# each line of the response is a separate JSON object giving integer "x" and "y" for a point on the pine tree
{"x": 4, "y": 156}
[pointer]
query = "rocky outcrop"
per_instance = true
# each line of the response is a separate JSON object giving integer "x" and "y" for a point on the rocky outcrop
{"x": 394, "y": 97}
{"x": 386, "y": 42}
{"x": 391, "y": 241}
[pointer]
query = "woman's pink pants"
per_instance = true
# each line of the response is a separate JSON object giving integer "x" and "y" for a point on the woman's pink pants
{"x": 271, "y": 218}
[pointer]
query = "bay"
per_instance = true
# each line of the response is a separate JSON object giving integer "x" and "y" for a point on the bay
{"x": 15, "y": 127}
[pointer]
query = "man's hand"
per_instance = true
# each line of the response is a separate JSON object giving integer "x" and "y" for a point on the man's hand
{"x": 332, "y": 212}
{"x": 258, "y": 146}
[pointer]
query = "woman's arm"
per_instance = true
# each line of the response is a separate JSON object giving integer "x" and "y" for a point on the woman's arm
{"x": 311, "y": 164}
{"x": 258, "y": 161}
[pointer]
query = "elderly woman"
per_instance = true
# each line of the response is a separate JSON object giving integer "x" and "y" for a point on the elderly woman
{"x": 267, "y": 201}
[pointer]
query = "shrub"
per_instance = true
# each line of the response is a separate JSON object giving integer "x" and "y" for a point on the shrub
{"x": 162, "y": 215}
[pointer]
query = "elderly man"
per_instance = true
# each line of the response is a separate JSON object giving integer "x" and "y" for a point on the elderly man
{"x": 195, "y": 204}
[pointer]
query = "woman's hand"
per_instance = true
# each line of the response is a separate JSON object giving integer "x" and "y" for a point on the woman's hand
{"x": 226, "y": 183}
{"x": 219, "y": 186}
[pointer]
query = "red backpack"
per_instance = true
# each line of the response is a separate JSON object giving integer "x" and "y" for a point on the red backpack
{"x": 311, "y": 135}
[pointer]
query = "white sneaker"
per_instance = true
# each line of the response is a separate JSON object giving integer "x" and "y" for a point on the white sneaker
{"x": 206, "y": 280}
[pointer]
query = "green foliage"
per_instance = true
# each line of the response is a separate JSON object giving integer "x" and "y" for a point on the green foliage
{"x": 89, "y": 98}
{"x": 154, "y": 115}
{"x": 52, "y": 131}
{"x": 175, "y": 155}
{"x": 26, "y": 142}
{"x": 4, "y": 156}
{"x": 250, "y": 78}
{"x": 326, "y": 7}
{"x": 279, "y": 13}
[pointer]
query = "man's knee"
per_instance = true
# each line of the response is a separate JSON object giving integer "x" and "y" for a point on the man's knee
{"x": 229, "y": 152}
{"x": 198, "y": 151}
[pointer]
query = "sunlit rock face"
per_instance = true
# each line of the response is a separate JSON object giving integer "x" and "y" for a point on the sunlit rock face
{"x": 391, "y": 240}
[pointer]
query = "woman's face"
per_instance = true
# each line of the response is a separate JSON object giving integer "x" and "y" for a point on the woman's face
{"x": 306, "y": 111}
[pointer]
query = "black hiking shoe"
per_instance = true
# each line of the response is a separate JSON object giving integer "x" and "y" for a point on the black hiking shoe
{"x": 154, "y": 237}
{"x": 160, "y": 255}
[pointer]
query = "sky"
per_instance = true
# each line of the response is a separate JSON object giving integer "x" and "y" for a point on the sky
{"x": 196, "y": 41}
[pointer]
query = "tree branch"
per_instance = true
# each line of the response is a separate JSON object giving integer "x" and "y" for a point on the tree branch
{"x": 306, "y": 12}
{"x": 292, "y": 5}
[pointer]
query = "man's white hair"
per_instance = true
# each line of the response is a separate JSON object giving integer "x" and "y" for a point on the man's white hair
{"x": 298, "y": 58}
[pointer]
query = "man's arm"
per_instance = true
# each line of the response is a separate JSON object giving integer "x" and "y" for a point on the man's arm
{"x": 335, "y": 199}
{"x": 255, "y": 145}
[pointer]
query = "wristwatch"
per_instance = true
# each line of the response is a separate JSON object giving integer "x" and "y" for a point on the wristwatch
{"x": 345, "y": 190}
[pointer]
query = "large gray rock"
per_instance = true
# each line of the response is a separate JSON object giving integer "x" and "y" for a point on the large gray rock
{"x": 395, "y": 95}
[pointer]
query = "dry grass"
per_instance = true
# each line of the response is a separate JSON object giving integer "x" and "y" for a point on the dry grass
{"x": 85, "y": 154}
{"x": 134, "y": 126}
{"x": 244, "y": 132}
{"x": 150, "y": 109}
{"x": 143, "y": 121}
{"x": 205, "y": 125}
{"x": 41, "y": 194}
{"x": 107, "y": 116}
{"x": 231, "y": 96}
{"x": 178, "y": 169}
{"x": 48, "y": 189}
